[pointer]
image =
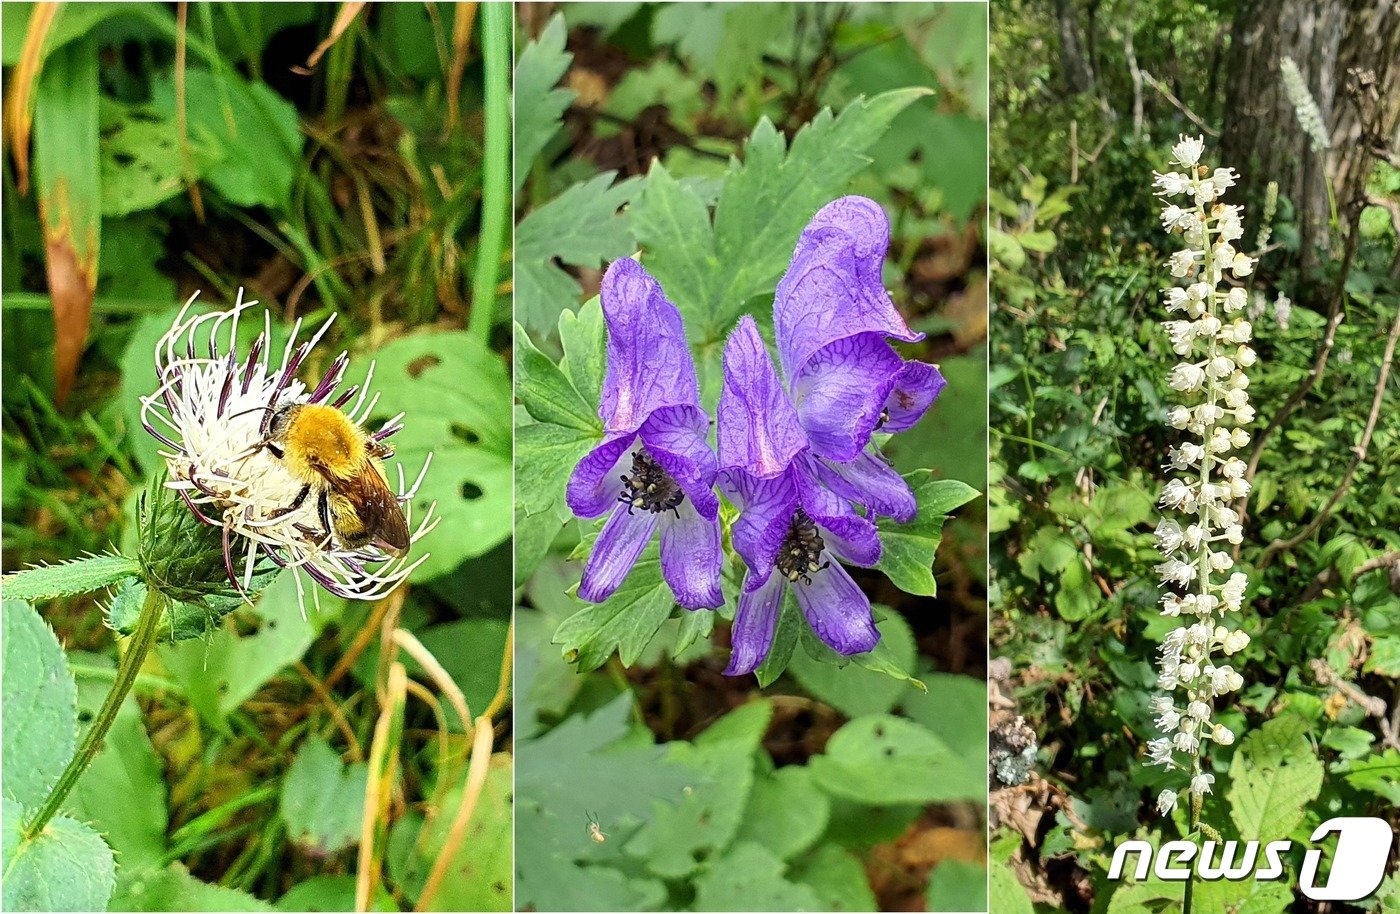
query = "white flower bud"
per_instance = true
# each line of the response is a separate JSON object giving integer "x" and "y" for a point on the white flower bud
{"x": 1222, "y": 735}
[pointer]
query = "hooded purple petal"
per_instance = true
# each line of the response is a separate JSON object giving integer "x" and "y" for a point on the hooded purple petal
{"x": 832, "y": 288}
{"x": 619, "y": 544}
{"x": 850, "y": 537}
{"x": 838, "y": 611}
{"x": 675, "y": 438}
{"x": 759, "y": 432}
{"x": 649, "y": 364}
{"x": 841, "y": 391}
{"x": 871, "y": 483}
{"x": 593, "y": 486}
{"x": 766, "y": 511}
{"x": 691, "y": 558}
{"x": 754, "y": 625}
{"x": 914, "y": 391}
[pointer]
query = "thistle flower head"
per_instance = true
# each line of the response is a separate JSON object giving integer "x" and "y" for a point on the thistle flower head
{"x": 212, "y": 412}
{"x": 1209, "y": 331}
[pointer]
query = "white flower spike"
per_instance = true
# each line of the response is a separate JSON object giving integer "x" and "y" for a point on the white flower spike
{"x": 212, "y": 412}
{"x": 1213, "y": 388}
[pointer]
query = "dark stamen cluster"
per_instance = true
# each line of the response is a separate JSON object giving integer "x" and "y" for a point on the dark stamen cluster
{"x": 649, "y": 487}
{"x": 801, "y": 552}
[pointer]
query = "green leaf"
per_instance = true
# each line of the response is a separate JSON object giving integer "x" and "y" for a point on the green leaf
{"x": 142, "y": 165}
{"x": 222, "y": 671}
{"x": 121, "y": 793}
{"x": 547, "y": 394}
{"x": 40, "y": 703}
{"x": 67, "y": 579}
{"x": 839, "y": 879}
{"x": 679, "y": 838}
{"x": 955, "y": 885}
{"x": 67, "y": 867}
{"x": 750, "y": 878}
{"x": 257, "y": 130}
{"x": 581, "y": 227}
{"x": 712, "y": 272}
{"x": 331, "y": 893}
{"x": 853, "y": 689}
{"x": 1379, "y": 774}
{"x": 955, "y": 708}
{"x": 624, "y": 623}
{"x": 322, "y": 800}
{"x": 455, "y": 394}
{"x": 470, "y": 650}
{"x": 72, "y": 21}
{"x": 1274, "y": 775}
{"x": 481, "y": 873}
{"x": 1007, "y": 895}
{"x": 545, "y": 455}
{"x": 909, "y": 549}
{"x": 886, "y": 760}
{"x": 539, "y": 106}
{"x": 792, "y": 626}
{"x": 559, "y": 867}
{"x": 787, "y": 812}
{"x": 174, "y": 889}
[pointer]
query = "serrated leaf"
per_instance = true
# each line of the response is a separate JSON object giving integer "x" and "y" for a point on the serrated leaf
{"x": 66, "y": 579}
{"x": 750, "y": 878}
{"x": 546, "y": 393}
{"x": 909, "y": 549}
{"x": 66, "y": 867}
{"x": 539, "y": 106}
{"x": 711, "y": 272}
{"x": 856, "y": 689}
{"x": 1379, "y": 774}
{"x": 581, "y": 227}
{"x": 1274, "y": 775}
{"x": 885, "y": 760}
{"x": 40, "y": 702}
{"x": 322, "y": 801}
{"x": 623, "y": 623}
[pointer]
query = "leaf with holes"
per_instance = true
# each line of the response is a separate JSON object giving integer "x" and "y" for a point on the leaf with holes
{"x": 885, "y": 760}
{"x": 455, "y": 394}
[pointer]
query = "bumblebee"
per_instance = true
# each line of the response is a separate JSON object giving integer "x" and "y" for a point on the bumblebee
{"x": 339, "y": 462}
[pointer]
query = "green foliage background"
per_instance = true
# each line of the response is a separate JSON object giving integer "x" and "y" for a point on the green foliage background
{"x": 834, "y": 788}
{"x": 1078, "y": 437}
{"x": 225, "y": 784}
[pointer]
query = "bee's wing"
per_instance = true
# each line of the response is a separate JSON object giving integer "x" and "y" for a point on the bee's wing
{"x": 377, "y": 507}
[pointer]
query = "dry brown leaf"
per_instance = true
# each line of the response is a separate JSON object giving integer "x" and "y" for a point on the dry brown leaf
{"x": 19, "y": 102}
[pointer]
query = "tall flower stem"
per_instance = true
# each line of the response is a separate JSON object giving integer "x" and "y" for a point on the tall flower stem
{"x": 495, "y": 177}
{"x": 136, "y": 650}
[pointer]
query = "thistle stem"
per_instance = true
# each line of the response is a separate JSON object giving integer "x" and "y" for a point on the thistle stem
{"x": 136, "y": 650}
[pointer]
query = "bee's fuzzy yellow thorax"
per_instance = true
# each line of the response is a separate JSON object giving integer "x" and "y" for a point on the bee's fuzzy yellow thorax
{"x": 321, "y": 441}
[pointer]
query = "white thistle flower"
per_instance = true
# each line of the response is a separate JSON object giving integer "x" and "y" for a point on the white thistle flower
{"x": 211, "y": 414}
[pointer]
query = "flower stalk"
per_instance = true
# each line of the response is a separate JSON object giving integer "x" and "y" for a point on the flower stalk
{"x": 142, "y": 638}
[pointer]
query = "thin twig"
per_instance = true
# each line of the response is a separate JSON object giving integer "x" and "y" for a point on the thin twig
{"x": 1386, "y": 560}
{"x": 337, "y": 715}
{"x": 476, "y": 779}
{"x": 1179, "y": 104}
{"x": 383, "y": 762}
{"x": 365, "y": 636}
{"x": 1358, "y": 458}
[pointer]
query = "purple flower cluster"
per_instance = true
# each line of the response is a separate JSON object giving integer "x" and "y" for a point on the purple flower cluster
{"x": 796, "y": 454}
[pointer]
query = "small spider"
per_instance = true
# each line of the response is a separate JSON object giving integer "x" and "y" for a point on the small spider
{"x": 595, "y": 831}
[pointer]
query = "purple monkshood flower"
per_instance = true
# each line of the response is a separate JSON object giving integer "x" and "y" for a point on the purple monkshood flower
{"x": 653, "y": 468}
{"x": 792, "y": 531}
{"x": 832, "y": 316}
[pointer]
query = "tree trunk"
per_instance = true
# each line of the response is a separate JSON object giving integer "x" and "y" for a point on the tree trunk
{"x": 1074, "y": 62}
{"x": 1262, "y": 136}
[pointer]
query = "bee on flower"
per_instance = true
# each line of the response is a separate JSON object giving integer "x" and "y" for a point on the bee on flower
{"x": 287, "y": 473}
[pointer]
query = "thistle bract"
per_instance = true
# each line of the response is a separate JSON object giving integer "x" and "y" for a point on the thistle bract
{"x": 211, "y": 414}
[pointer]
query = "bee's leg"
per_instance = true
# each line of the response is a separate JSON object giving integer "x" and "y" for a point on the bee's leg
{"x": 275, "y": 449}
{"x": 323, "y": 505}
{"x": 296, "y": 502}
